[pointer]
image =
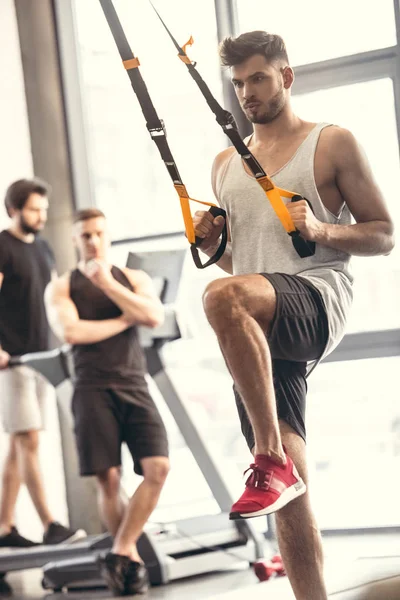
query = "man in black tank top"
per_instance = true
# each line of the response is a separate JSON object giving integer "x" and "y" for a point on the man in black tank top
{"x": 26, "y": 266}
{"x": 96, "y": 308}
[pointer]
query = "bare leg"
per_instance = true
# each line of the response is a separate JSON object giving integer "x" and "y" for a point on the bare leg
{"x": 27, "y": 446}
{"x": 10, "y": 487}
{"x": 141, "y": 505}
{"x": 240, "y": 309}
{"x": 111, "y": 504}
{"x": 298, "y": 534}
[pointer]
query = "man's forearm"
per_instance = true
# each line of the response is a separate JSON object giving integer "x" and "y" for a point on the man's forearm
{"x": 139, "y": 309}
{"x": 225, "y": 262}
{"x": 92, "y": 332}
{"x": 361, "y": 239}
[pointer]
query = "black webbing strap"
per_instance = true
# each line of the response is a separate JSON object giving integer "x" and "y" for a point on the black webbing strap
{"x": 157, "y": 131}
{"x": 226, "y": 120}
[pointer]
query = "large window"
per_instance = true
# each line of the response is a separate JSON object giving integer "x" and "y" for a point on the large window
{"x": 353, "y": 420}
{"x": 367, "y": 109}
{"x": 354, "y": 443}
{"x": 315, "y": 30}
{"x": 130, "y": 182}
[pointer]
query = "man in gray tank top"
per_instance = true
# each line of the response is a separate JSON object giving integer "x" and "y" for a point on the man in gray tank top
{"x": 96, "y": 308}
{"x": 279, "y": 312}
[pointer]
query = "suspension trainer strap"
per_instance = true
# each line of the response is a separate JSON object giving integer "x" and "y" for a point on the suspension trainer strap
{"x": 227, "y": 122}
{"x": 157, "y": 132}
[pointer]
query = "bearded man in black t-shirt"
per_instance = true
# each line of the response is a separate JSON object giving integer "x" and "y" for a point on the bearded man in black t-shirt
{"x": 26, "y": 267}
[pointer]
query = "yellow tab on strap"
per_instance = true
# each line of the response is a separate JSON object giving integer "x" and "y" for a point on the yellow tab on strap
{"x": 274, "y": 196}
{"x": 201, "y": 202}
{"x": 280, "y": 208}
{"x": 190, "y": 42}
{"x": 184, "y": 57}
{"x": 286, "y": 193}
{"x": 185, "y": 206}
{"x": 187, "y": 215}
{"x": 131, "y": 63}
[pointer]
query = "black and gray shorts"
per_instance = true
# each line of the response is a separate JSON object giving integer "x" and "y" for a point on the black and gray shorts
{"x": 299, "y": 333}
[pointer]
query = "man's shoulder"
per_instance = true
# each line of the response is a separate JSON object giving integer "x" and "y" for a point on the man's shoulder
{"x": 4, "y": 252}
{"x": 338, "y": 145}
{"x": 59, "y": 285}
{"x": 9, "y": 247}
{"x": 5, "y": 238}
{"x": 63, "y": 279}
{"x": 223, "y": 156}
{"x": 337, "y": 136}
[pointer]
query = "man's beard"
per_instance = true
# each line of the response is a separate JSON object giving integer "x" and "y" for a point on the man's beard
{"x": 272, "y": 111}
{"x": 28, "y": 228}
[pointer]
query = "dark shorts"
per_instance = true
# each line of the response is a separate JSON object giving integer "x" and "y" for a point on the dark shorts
{"x": 299, "y": 333}
{"x": 104, "y": 418}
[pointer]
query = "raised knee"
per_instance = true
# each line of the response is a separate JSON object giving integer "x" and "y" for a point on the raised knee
{"x": 27, "y": 441}
{"x": 220, "y": 298}
{"x": 109, "y": 481}
{"x": 155, "y": 470}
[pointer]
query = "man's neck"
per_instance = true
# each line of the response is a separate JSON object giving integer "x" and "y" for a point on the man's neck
{"x": 17, "y": 232}
{"x": 269, "y": 134}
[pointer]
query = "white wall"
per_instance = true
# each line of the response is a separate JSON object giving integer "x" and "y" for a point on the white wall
{"x": 16, "y": 162}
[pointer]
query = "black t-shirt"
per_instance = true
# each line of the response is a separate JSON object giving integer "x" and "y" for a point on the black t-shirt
{"x": 27, "y": 271}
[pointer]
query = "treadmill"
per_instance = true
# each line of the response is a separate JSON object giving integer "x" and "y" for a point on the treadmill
{"x": 55, "y": 366}
{"x": 189, "y": 546}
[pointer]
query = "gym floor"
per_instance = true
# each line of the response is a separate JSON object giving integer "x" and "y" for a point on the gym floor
{"x": 341, "y": 551}
{"x": 26, "y": 586}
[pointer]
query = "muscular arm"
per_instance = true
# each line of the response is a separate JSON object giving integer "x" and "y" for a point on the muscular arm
{"x": 64, "y": 319}
{"x": 140, "y": 307}
{"x": 372, "y": 234}
{"x": 225, "y": 262}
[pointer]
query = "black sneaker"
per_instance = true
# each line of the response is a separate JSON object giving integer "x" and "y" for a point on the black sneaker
{"x": 58, "y": 534}
{"x": 15, "y": 540}
{"x": 5, "y": 587}
{"x": 123, "y": 576}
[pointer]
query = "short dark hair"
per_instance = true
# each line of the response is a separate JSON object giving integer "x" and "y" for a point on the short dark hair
{"x": 233, "y": 51}
{"x": 18, "y": 192}
{"x": 88, "y": 213}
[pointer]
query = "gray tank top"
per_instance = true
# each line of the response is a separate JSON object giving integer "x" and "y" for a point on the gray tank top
{"x": 260, "y": 244}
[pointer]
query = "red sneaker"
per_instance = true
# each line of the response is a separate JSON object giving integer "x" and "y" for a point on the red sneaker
{"x": 268, "y": 488}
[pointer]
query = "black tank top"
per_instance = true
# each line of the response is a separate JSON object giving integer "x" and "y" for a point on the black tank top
{"x": 117, "y": 361}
